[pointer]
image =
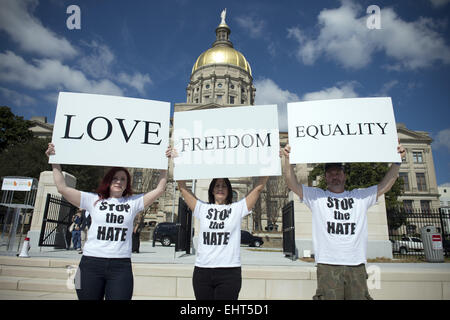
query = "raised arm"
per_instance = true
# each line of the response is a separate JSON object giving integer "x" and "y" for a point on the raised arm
{"x": 289, "y": 173}
{"x": 253, "y": 195}
{"x": 154, "y": 194}
{"x": 188, "y": 196}
{"x": 391, "y": 176}
{"x": 70, "y": 194}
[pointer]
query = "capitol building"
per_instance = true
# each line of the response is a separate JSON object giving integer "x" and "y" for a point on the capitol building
{"x": 221, "y": 77}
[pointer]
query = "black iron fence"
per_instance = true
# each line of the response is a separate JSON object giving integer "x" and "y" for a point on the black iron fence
{"x": 289, "y": 230}
{"x": 184, "y": 222}
{"x": 57, "y": 218}
{"x": 405, "y": 226}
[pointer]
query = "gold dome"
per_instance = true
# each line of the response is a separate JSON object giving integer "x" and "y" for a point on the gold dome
{"x": 222, "y": 51}
{"x": 222, "y": 55}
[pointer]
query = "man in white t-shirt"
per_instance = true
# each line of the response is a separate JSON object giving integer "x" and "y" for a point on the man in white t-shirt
{"x": 339, "y": 228}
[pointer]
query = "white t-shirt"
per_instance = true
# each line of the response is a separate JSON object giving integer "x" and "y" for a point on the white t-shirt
{"x": 219, "y": 240}
{"x": 339, "y": 224}
{"x": 110, "y": 233}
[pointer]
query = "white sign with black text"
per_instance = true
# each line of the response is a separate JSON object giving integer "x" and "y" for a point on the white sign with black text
{"x": 227, "y": 142}
{"x": 343, "y": 130}
{"x": 102, "y": 130}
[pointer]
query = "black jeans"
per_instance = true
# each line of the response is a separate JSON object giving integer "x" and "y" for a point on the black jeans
{"x": 104, "y": 278}
{"x": 217, "y": 283}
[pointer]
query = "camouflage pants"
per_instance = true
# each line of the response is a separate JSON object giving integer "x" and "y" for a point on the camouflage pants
{"x": 336, "y": 282}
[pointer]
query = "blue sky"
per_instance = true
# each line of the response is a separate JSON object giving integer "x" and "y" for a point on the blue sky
{"x": 298, "y": 50}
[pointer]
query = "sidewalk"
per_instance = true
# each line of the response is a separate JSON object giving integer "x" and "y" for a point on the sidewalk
{"x": 249, "y": 256}
{"x": 167, "y": 255}
{"x": 267, "y": 274}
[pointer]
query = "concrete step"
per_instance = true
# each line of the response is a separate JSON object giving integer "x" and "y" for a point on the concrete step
{"x": 35, "y": 284}
{"x": 36, "y": 272}
{"x": 43, "y": 278}
{"x": 37, "y": 278}
{"x": 35, "y": 295}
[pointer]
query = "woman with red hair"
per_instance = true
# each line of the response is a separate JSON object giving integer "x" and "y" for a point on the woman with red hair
{"x": 105, "y": 270}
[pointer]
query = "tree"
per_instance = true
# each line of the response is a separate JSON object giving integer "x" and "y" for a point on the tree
{"x": 22, "y": 154}
{"x": 88, "y": 177}
{"x": 362, "y": 175}
{"x": 24, "y": 159}
{"x": 13, "y": 129}
{"x": 29, "y": 160}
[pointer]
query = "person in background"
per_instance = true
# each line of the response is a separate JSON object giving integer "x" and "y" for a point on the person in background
{"x": 76, "y": 231}
{"x": 138, "y": 225}
{"x": 85, "y": 224}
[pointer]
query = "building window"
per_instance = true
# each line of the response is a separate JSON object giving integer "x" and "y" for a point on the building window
{"x": 219, "y": 98}
{"x": 207, "y": 86}
{"x": 408, "y": 206}
{"x": 231, "y": 100}
{"x": 425, "y": 206}
{"x": 417, "y": 157}
{"x": 137, "y": 180}
{"x": 219, "y": 85}
{"x": 404, "y": 158}
{"x": 235, "y": 196}
{"x": 421, "y": 183}
{"x": 404, "y": 177}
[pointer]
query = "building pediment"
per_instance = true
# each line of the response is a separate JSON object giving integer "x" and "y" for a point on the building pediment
{"x": 406, "y": 134}
{"x": 41, "y": 129}
{"x": 208, "y": 106}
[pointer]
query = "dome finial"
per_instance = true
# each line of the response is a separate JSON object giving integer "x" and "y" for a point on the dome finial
{"x": 223, "y": 15}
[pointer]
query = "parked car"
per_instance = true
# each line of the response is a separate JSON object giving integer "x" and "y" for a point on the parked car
{"x": 272, "y": 227}
{"x": 251, "y": 240}
{"x": 166, "y": 233}
{"x": 408, "y": 244}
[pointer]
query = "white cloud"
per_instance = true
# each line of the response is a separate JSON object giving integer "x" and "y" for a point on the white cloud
{"x": 442, "y": 140}
{"x": 95, "y": 71}
{"x": 29, "y": 33}
{"x": 98, "y": 62}
{"x": 340, "y": 91}
{"x": 439, "y": 3}
{"x": 252, "y": 25}
{"x": 19, "y": 99}
{"x": 344, "y": 37}
{"x": 137, "y": 81}
{"x": 384, "y": 91}
{"x": 50, "y": 74}
{"x": 268, "y": 92}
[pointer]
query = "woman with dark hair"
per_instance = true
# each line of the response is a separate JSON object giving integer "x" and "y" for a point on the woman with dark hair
{"x": 217, "y": 272}
{"x": 105, "y": 270}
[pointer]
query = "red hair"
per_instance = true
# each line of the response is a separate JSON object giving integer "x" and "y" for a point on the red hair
{"x": 103, "y": 188}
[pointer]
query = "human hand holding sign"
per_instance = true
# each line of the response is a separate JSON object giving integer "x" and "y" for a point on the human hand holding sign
{"x": 391, "y": 176}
